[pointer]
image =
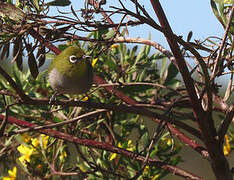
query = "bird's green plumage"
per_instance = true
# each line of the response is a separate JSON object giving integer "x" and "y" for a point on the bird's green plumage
{"x": 64, "y": 66}
{"x": 70, "y": 78}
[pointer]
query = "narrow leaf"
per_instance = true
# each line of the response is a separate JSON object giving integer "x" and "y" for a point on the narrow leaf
{"x": 190, "y": 34}
{"x": 5, "y": 51}
{"x": 147, "y": 47}
{"x": 32, "y": 64}
{"x": 172, "y": 72}
{"x": 163, "y": 68}
{"x": 140, "y": 55}
{"x": 107, "y": 34}
{"x": 216, "y": 12}
{"x": 41, "y": 55}
{"x": 59, "y": 3}
{"x": 74, "y": 13}
{"x": 133, "y": 52}
{"x": 17, "y": 53}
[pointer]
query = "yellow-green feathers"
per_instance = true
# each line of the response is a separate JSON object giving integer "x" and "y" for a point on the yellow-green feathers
{"x": 71, "y": 72}
{"x": 63, "y": 65}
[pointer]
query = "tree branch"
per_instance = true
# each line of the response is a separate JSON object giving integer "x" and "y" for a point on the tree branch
{"x": 204, "y": 119}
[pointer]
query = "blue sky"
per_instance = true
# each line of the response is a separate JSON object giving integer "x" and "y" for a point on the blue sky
{"x": 183, "y": 16}
{"x": 196, "y": 15}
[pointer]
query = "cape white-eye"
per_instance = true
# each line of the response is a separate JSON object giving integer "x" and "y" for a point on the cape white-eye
{"x": 71, "y": 72}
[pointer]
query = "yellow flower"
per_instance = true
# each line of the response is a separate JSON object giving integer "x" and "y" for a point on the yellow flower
{"x": 228, "y": 1}
{"x": 94, "y": 61}
{"x": 112, "y": 156}
{"x": 226, "y": 147}
{"x": 62, "y": 156}
{"x": 44, "y": 139}
{"x": 114, "y": 46}
{"x": 169, "y": 141}
{"x": 35, "y": 142}
{"x": 82, "y": 168}
{"x": 26, "y": 153}
{"x": 129, "y": 148}
{"x": 156, "y": 177}
{"x": 146, "y": 169}
{"x": 85, "y": 99}
{"x": 12, "y": 174}
{"x": 26, "y": 137}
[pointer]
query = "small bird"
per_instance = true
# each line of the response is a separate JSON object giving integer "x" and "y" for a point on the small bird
{"x": 70, "y": 72}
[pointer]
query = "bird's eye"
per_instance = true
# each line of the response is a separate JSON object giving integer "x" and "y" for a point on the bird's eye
{"x": 73, "y": 59}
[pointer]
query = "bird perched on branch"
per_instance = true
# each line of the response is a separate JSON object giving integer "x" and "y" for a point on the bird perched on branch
{"x": 70, "y": 72}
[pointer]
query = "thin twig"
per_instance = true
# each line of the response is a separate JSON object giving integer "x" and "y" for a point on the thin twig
{"x": 4, "y": 122}
{"x": 48, "y": 126}
{"x": 226, "y": 123}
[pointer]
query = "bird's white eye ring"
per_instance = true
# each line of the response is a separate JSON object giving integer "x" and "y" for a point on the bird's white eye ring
{"x": 73, "y": 59}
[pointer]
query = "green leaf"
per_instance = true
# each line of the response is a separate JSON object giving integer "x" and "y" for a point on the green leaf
{"x": 163, "y": 72}
{"x": 16, "y": 77}
{"x": 221, "y": 12}
{"x": 174, "y": 83}
{"x": 147, "y": 47}
{"x": 50, "y": 56}
{"x": 36, "y": 4}
{"x": 142, "y": 75}
{"x": 56, "y": 119}
{"x": 145, "y": 139}
{"x": 109, "y": 34}
{"x": 100, "y": 34}
{"x": 5, "y": 51}
{"x": 110, "y": 63}
{"x": 218, "y": 1}
{"x": 135, "y": 89}
{"x": 133, "y": 52}
{"x": 18, "y": 53}
{"x": 216, "y": 12}
{"x": 140, "y": 55}
{"x": 59, "y": 3}
{"x": 62, "y": 46}
{"x": 172, "y": 72}
{"x": 32, "y": 64}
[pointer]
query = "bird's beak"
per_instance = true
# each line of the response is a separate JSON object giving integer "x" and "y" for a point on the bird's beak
{"x": 86, "y": 57}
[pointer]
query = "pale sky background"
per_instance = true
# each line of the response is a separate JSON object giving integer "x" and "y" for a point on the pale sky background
{"x": 183, "y": 16}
